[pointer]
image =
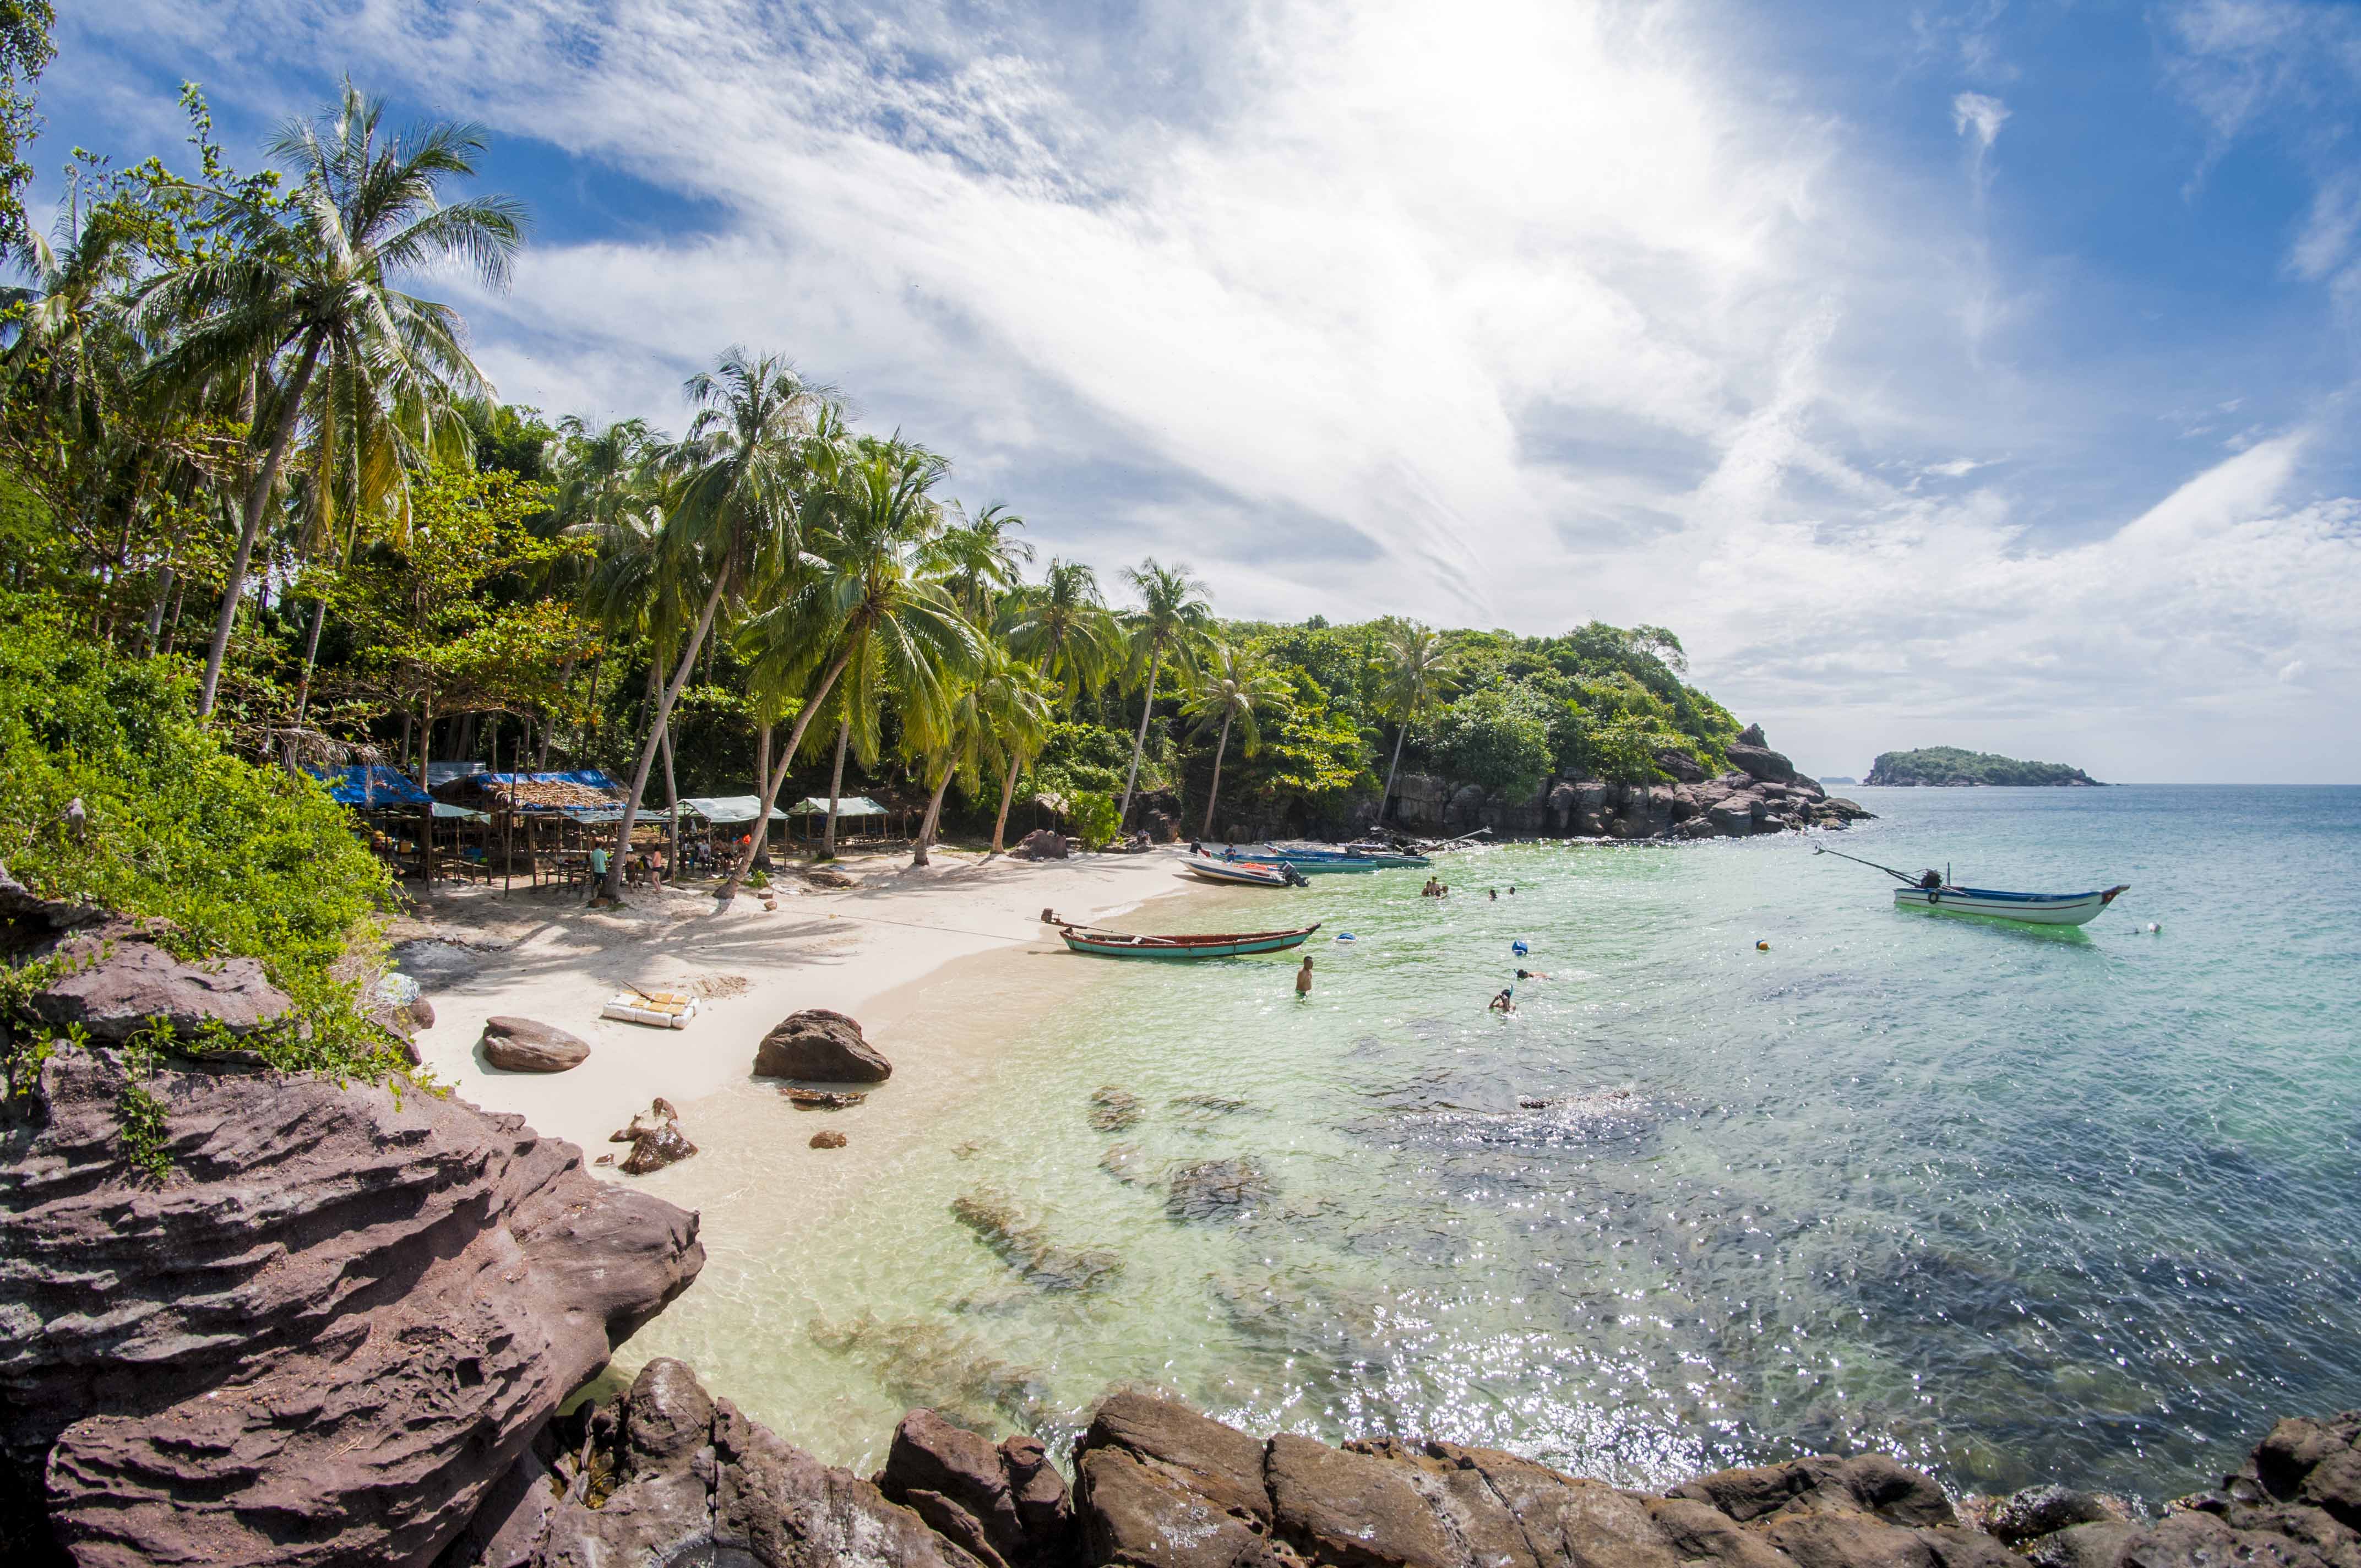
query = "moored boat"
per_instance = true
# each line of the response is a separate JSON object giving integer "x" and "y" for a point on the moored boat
{"x": 1933, "y": 892}
{"x": 2035, "y": 908}
{"x": 1251, "y": 872}
{"x": 1210, "y": 945}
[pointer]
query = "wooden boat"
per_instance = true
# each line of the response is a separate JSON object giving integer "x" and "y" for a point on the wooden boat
{"x": 1248, "y": 872}
{"x": 1309, "y": 862}
{"x": 1932, "y": 890}
{"x": 1214, "y": 944}
{"x": 2035, "y": 908}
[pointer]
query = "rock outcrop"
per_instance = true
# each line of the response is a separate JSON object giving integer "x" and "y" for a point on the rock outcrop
{"x": 820, "y": 1045}
{"x": 1041, "y": 844}
{"x": 525, "y": 1045}
{"x": 1004, "y": 1503}
{"x": 337, "y": 1322}
{"x": 1761, "y": 793}
{"x": 670, "y": 1474}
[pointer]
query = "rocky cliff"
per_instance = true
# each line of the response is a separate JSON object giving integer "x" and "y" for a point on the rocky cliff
{"x": 669, "y": 1475}
{"x": 342, "y": 1315}
{"x": 1761, "y": 793}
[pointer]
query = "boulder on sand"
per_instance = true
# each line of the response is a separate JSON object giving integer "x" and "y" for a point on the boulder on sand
{"x": 655, "y": 1139}
{"x": 1041, "y": 844}
{"x": 824, "y": 1047}
{"x": 524, "y": 1045}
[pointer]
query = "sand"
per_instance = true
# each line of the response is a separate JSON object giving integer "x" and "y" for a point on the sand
{"x": 870, "y": 950}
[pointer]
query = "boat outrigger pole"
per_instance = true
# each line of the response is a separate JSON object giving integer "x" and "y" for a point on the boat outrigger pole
{"x": 1905, "y": 880}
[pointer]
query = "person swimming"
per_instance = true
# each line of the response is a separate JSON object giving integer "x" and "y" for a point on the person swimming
{"x": 1530, "y": 974}
{"x": 1504, "y": 1003}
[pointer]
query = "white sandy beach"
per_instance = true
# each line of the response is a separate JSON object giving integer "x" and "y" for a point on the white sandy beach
{"x": 543, "y": 955}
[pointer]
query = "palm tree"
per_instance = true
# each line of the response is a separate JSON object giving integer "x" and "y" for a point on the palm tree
{"x": 1418, "y": 666}
{"x": 1063, "y": 626}
{"x": 734, "y": 485}
{"x": 983, "y": 559}
{"x": 998, "y": 723}
{"x": 1232, "y": 686}
{"x": 313, "y": 280}
{"x": 1170, "y": 623}
{"x": 869, "y": 618}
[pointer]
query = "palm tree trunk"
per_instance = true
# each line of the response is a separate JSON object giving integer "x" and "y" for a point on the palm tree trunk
{"x": 1139, "y": 741}
{"x": 612, "y": 887}
{"x": 760, "y": 832}
{"x": 835, "y": 789}
{"x": 310, "y": 657}
{"x": 934, "y": 815}
{"x": 1000, "y": 823}
{"x": 1387, "y": 799}
{"x": 257, "y": 498}
{"x": 671, "y": 804}
{"x": 1214, "y": 791}
{"x": 156, "y": 610}
{"x": 786, "y": 757}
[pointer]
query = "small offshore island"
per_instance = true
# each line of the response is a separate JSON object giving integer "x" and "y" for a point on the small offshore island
{"x": 1949, "y": 767}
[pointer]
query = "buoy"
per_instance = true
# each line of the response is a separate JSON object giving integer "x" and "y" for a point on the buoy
{"x": 1347, "y": 936}
{"x": 1762, "y": 946}
{"x": 2154, "y": 927}
{"x": 1518, "y": 947}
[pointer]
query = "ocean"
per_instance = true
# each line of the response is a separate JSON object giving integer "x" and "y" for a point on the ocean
{"x": 2012, "y": 1204}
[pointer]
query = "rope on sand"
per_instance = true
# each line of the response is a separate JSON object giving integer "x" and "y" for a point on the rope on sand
{"x": 952, "y": 930}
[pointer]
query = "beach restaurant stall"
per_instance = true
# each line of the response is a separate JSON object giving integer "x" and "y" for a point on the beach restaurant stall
{"x": 547, "y": 826}
{"x": 810, "y": 815}
{"x": 388, "y": 805}
{"x": 728, "y": 820}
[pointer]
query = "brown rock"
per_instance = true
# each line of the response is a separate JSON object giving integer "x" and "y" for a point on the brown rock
{"x": 828, "y": 1140}
{"x": 1041, "y": 844}
{"x": 325, "y": 1337}
{"x": 822, "y": 1046}
{"x": 1003, "y": 1504}
{"x": 118, "y": 981}
{"x": 1352, "y": 1508}
{"x": 655, "y": 1150}
{"x": 522, "y": 1045}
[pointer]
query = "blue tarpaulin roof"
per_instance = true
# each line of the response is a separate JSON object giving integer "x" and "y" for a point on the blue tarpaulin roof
{"x": 588, "y": 778}
{"x": 370, "y": 788}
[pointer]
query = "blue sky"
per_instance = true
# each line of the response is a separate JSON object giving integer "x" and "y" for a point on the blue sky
{"x": 1968, "y": 374}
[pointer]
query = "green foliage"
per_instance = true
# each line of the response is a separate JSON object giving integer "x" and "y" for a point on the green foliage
{"x": 1078, "y": 758}
{"x": 1950, "y": 765}
{"x": 242, "y": 858}
{"x": 1498, "y": 737}
{"x": 25, "y": 52}
{"x": 1095, "y": 819}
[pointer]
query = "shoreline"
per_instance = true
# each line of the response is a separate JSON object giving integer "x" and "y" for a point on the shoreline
{"x": 872, "y": 951}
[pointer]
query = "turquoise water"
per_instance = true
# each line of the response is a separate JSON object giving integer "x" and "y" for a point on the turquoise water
{"x": 2012, "y": 1204}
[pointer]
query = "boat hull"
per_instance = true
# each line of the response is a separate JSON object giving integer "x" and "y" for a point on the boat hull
{"x": 1250, "y": 874}
{"x": 2030, "y": 908}
{"x": 1107, "y": 945}
{"x": 1319, "y": 867}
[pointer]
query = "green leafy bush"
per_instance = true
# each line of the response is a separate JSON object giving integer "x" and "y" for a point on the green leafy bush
{"x": 243, "y": 858}
{"x": 1095, "y": 819}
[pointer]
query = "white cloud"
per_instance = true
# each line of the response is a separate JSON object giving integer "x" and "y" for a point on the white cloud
{"x": 1361, "y": 308}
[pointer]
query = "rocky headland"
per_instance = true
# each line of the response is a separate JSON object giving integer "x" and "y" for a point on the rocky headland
{"x": 1761, "y": 791}
{"x": 1948, "y": 767}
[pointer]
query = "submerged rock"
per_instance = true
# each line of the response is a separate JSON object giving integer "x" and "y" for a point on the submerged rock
{"x": 821, "y": 1099}
{"x": 961, "y": 1374}
{"x": 821, "y": 1045}
{"x": 1128, "y": 1163}
{"x": 654, "y": 1151}
{"x": 1025, "y": 1247}
{"x": 343, "y": 1308}
{"x": 1112, "y": 1110}
{"x": 2045, "y": 1511}
{"x": 523, "y": 1044}
{"x": 828, "y": 1140}
{"x": 1216, "y": 1189}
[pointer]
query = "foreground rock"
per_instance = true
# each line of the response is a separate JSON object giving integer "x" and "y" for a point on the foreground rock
{"x": 821, "y": 1045}
{"x": 521, "y": 1045}
{"x": 1003, "y": 1504}
{"x": 655, "y": 1139}
{"x": 670, "y": 1474}
{"x": 1041, "y": 844}
{"x": 340, "y": 1318}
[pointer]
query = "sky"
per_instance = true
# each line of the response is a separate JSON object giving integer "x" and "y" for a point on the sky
{"x": 1971, "y": 373}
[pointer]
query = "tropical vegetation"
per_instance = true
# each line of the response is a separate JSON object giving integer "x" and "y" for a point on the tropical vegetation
{"x": 260, "y": 507}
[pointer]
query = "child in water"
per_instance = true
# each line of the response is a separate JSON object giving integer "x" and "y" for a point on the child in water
{"x": 1504, "y": 1003}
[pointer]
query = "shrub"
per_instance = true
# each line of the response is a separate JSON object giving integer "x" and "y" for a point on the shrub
{"x": 1095, "y": 819}
{"x": 243, "y": 858}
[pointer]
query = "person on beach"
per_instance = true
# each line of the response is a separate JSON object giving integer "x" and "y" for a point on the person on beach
{"x": 1504, "y": 1003}
{"x": 1304, "y": 979}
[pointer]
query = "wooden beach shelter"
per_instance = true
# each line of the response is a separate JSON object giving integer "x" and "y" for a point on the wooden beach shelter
{"x": 849, "y": 808}
{"x": 550, "y": 811}
{"x": 725, "y": 817}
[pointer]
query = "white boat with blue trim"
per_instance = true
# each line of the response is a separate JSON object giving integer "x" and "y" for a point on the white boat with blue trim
{"x": 1934, "y": 893}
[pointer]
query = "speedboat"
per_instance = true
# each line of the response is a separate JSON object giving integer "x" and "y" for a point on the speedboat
{"x": 2035, "y": 908}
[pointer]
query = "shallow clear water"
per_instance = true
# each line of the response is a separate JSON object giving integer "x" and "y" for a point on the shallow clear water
{"x": 2013, "y": 1204}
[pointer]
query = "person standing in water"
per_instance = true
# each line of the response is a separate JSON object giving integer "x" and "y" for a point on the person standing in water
{"x": 1504, "y": 1003}
{"x": 1304, "y": 979}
